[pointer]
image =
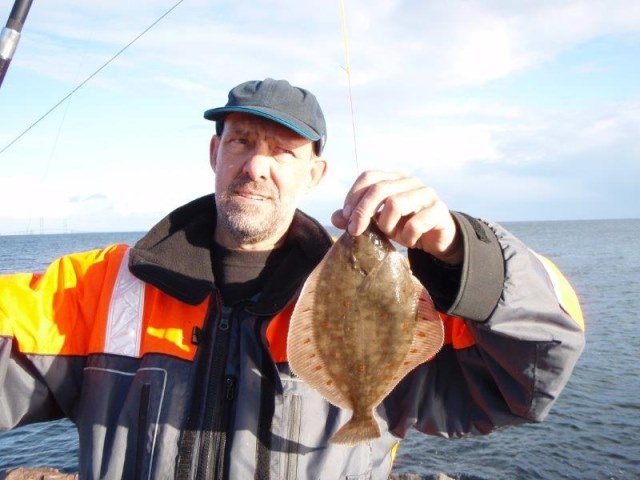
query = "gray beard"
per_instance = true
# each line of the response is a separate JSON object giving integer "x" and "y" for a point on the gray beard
{"x": 250, "y": 224}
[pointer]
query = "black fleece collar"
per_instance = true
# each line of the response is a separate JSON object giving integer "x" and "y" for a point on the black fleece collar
{"x": 175, "y": 256}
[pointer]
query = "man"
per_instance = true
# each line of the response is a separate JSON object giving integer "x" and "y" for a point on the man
{"x": 170, "y": 357}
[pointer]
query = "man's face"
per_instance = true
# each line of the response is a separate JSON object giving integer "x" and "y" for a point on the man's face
{"x": 261, "y": 168}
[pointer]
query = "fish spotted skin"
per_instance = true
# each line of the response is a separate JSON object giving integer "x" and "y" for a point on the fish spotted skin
{"x": 362, "y": 322}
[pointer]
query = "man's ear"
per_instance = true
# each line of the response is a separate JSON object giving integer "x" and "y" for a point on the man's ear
{"x": 213, "y": 152}
{"x": 318, "y": 170}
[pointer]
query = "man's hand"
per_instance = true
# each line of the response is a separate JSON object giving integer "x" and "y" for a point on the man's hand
{"x": 406, "y": 210}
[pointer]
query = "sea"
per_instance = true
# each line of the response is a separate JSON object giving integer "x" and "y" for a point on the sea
{"x": 593, "y": 431}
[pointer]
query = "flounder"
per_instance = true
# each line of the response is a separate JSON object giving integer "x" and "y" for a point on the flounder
{"x": 361, "y": 324}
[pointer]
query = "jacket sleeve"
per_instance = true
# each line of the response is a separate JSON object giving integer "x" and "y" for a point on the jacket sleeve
{"x": 46, "y": 330}
{"x": 514, "y": 331}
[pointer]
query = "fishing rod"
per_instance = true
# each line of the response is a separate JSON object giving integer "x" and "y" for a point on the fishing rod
{"x": 11, "y": 34}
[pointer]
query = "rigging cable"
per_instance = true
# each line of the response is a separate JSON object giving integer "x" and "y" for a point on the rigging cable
{"x": 91, "y": 76}
{"x": 347, "y": 69}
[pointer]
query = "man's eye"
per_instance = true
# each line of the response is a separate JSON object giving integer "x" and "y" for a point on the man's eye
{"x": 284, "y": 151}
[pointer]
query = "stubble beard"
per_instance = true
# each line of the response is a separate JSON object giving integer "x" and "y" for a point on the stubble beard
{"x": 251, "y": 223}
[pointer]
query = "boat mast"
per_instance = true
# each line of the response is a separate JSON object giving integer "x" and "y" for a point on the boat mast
{"x": 11, "y": 34}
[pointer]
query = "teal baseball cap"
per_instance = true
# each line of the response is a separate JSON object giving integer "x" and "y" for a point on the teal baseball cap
{"x": 279, "y": 101}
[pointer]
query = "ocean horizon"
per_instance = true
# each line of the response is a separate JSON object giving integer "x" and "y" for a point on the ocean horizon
{"x": 69, "y": 231}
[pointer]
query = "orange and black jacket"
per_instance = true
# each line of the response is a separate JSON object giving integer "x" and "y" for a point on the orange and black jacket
{"x": 164, "y": 381}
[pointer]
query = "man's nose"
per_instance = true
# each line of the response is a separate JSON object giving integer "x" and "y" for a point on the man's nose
{"x": 258, "y": 165}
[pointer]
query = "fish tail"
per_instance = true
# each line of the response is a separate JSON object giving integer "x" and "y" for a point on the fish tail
{"x": 358, "y": 429}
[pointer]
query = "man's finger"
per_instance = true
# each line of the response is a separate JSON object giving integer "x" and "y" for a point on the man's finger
{"x": 338, "y": 220}
{"x": 360, "y": 186}
{"x": 431, "y": 229}
{"x": 375, "y": 197}
{"x": 401, "y": 205}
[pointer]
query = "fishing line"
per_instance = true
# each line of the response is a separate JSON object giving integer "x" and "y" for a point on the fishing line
{"x": 347, "y": 69}
{"x": 91, "y": 76}
{"x": 51, "y": 155}
{"x": 55, "y": 142}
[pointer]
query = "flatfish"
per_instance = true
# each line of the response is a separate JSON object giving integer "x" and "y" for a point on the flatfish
{"x": 361, "y": 324}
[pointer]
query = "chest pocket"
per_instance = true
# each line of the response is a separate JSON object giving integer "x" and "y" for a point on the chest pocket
{"x": 304, "y": 423}
{"x": 120, "y": 413}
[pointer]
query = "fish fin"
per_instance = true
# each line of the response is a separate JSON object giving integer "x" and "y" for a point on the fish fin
{"x": 428, "y": 334}
{"x": 302, "y": 350}
{"x": 430, "y": 329}
{"x": 358, "y": 429}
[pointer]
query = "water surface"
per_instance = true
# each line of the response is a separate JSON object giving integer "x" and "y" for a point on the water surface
{"x": 591, "y": 433}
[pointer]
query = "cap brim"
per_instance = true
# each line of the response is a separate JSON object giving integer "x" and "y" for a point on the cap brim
{"x": 283, "y": 119}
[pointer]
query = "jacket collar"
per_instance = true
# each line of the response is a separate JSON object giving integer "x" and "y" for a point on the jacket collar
{"x": 175, "y": 256}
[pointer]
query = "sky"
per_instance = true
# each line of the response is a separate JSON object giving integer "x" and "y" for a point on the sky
{"x": 511, "y": 111}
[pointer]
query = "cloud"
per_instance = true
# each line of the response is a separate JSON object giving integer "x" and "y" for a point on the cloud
{"x": 533, "y": 162}
{"x": 440, "y": 45}
{"x": 422, "y": 79}
{"x": 545, "y": 138}
{"x": 95, "y": 196}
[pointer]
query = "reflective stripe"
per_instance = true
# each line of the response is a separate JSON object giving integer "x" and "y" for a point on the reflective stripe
{"x": 394, "y": 451}
{"x": 565, "y": 294}
{"x": 124, "y": 323}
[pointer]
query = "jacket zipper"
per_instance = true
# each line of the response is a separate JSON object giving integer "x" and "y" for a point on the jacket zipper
{"x": 143, "y": 423}
{"x": 229, "y": 393}
{"x": 219, "y": 396}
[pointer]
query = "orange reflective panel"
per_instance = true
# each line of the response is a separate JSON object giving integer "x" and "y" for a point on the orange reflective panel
{"x": 63, "y": 310}
{"x": 277, "y": 332}
{"x": 456, "y": 332}
{"x": 168, "y": 324}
